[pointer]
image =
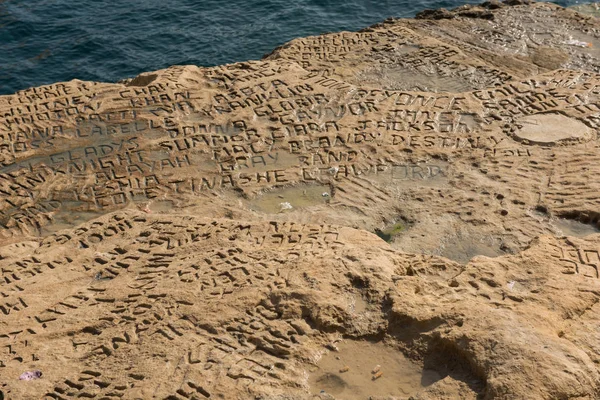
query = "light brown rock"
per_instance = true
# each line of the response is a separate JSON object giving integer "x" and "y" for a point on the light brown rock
{"x": 200, "y": 233}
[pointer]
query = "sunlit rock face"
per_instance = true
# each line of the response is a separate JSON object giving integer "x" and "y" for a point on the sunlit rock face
{"x": 406, "y": 211}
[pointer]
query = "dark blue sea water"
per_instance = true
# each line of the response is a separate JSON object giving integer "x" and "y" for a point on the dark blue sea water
{"x": 45, "y": 41}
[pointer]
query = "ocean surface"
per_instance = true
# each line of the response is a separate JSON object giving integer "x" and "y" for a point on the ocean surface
{"x": 46, "y": 41}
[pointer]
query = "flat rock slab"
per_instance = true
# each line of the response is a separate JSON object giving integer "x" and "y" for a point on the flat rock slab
{"x": 548, "y": 129}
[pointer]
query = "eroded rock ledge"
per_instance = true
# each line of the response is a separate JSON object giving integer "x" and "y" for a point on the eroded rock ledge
{"x": 201, "y": 233}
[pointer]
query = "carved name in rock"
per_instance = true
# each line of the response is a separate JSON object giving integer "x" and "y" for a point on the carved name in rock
{"x": 200, "y": 233}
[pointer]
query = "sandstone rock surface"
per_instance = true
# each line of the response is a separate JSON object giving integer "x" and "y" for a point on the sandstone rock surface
{"x": 408, "y": 211}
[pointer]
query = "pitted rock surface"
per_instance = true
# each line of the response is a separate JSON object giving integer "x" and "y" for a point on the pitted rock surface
{"x": 199, "y": 233}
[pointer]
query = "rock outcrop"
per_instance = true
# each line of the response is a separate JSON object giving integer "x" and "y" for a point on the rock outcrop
{"x": 408, "y": 211}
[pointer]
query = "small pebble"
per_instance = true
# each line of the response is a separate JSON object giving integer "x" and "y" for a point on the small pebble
{"x": 332, "y": 347}
{"x": 345, "y": 369}
{"x": 30, "y": 375}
